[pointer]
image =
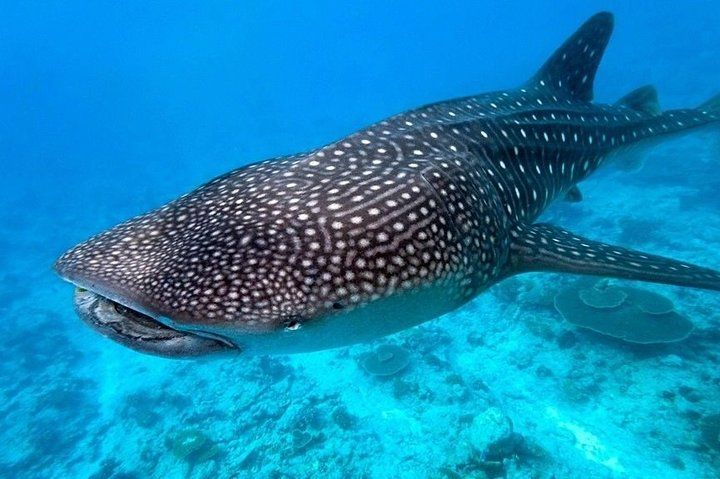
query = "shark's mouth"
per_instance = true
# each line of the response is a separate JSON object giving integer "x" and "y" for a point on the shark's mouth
{"x": 141, "y": 332}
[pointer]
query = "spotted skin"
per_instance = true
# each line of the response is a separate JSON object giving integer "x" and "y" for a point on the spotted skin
{"x": 389, "y": 227}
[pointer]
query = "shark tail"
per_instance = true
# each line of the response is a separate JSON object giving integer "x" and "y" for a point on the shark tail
{"x": 645, "y": 100}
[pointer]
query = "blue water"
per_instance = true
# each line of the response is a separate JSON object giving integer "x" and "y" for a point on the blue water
{"x": 108, "y": 110}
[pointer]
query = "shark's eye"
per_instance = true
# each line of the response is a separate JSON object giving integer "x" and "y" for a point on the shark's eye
{"x": 338, "y": 306}
{"x": 293, "y": 325}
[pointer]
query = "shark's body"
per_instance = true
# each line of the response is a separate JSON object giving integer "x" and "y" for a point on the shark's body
{"x": 386, "y": 228}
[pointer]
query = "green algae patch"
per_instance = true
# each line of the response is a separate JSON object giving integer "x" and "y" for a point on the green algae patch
{"x": 386, "y": 360}
{"x": 630, "y": 314}
{"x": 652, "y": 303}
{"x": 192, "y": 445}
{"x": 710, "y": 431}
{"x": 603, "y": 298}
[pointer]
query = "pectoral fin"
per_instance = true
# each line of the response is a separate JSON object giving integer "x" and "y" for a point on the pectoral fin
{"x": 544, "y": 247}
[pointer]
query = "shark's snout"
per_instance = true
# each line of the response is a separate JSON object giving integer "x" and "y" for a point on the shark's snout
{"x": 119, "y": 310}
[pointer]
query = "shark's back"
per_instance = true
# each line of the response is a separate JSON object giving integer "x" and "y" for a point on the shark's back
{"x": 534, "y": 143}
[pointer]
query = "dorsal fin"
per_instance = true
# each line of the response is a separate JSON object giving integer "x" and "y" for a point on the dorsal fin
{"x": 571, "y": 69}
{"x": 643, "y": 99}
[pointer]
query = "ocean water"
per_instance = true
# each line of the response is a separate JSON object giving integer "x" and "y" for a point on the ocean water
{"x": 110, "y": 109}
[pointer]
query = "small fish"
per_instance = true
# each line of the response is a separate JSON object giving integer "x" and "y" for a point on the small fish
{"x": 389, "y": 227}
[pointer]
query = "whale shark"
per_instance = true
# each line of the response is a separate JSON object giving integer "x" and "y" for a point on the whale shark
{"x": 391, "y": 226}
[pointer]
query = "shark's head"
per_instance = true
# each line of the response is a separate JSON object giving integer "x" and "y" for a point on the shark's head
{"x": 263, "y": 252}
{"x": 198, "y": 275}
{"x": 191, "y": 277}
